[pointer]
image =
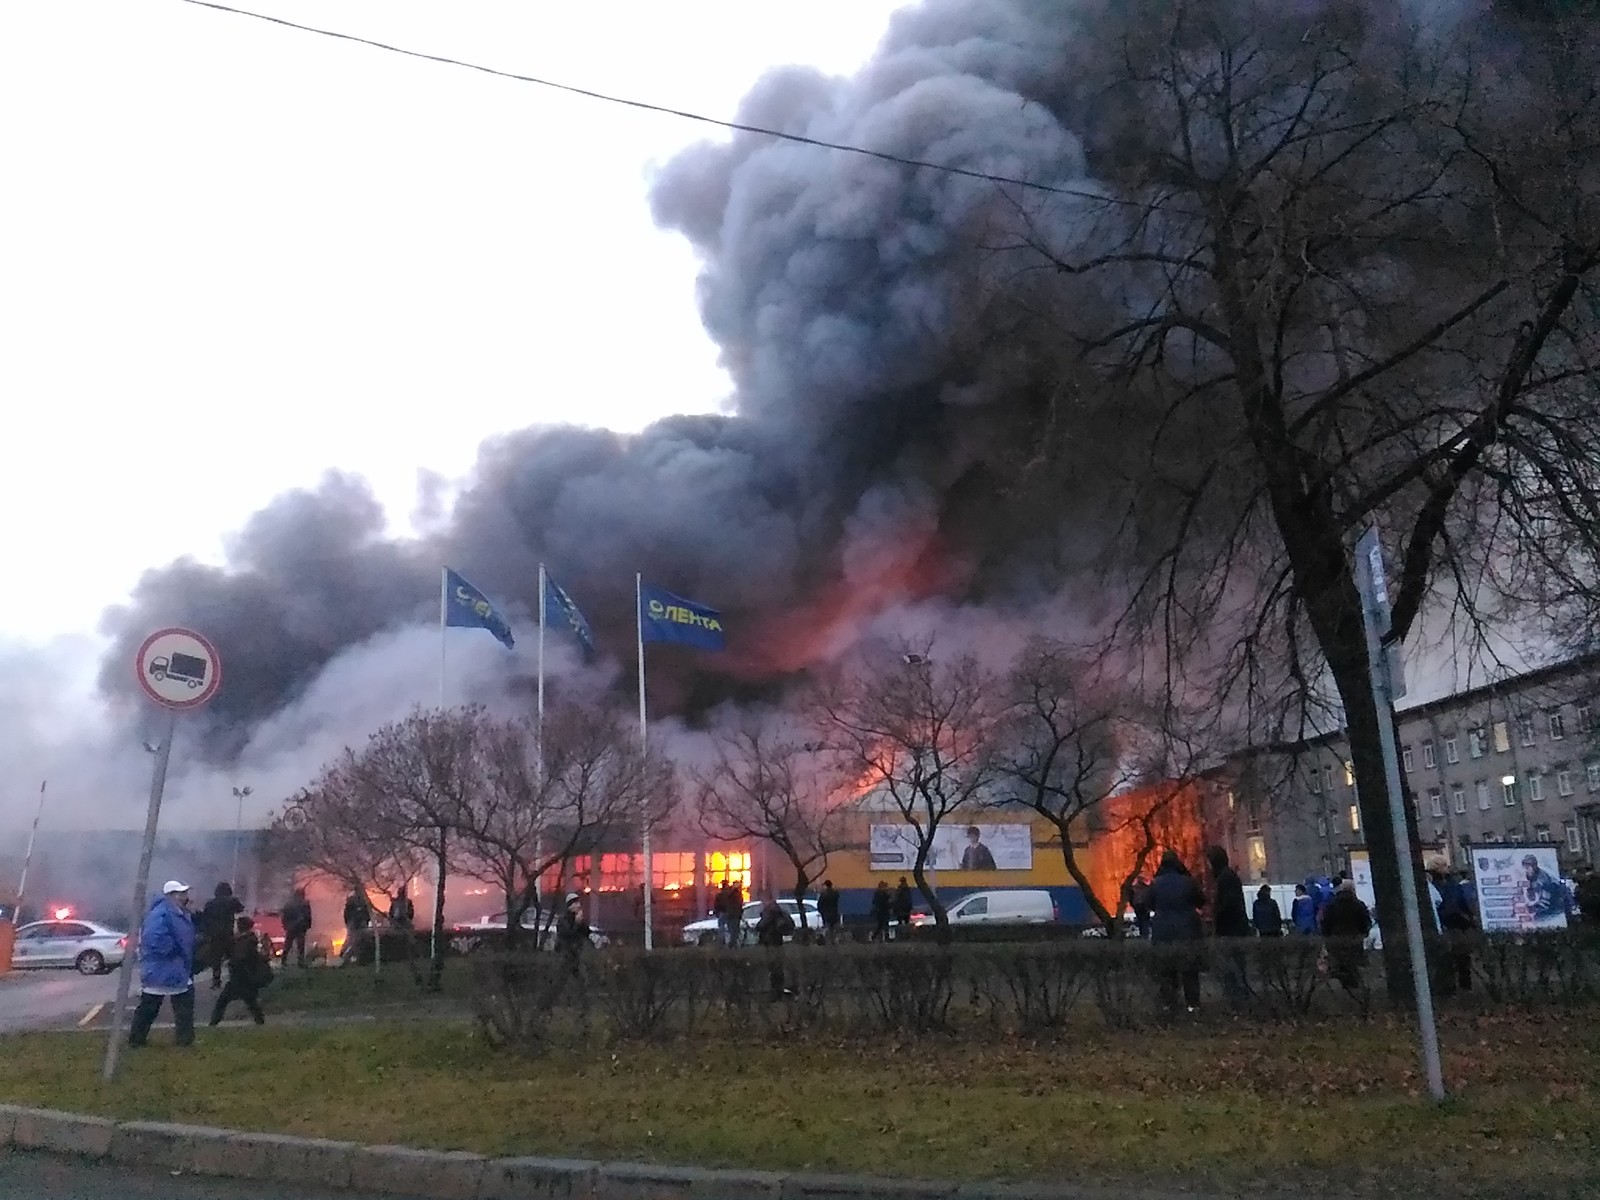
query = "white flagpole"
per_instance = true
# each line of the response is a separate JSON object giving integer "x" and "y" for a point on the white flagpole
{"x": 649, "y": 872}
{"x": 538, "y": 845}
{"x": 444, "y": 602}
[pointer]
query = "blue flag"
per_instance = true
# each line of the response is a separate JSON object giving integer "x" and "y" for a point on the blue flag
{"x": 556, "y": 601}
{"x": 664, "y": 617}
{"x": 466, "y": 607}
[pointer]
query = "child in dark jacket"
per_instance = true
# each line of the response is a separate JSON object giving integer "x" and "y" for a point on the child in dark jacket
{"x": 248, "y": 973}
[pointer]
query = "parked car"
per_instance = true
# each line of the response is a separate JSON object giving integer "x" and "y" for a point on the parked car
{"x": 488, "y": 931}
{"x": 706, "y": 932}
{"x": 88, "y": 948}
{"x": 1012, "y": 907}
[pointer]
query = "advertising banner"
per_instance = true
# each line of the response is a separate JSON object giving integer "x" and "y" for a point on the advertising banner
{"x": 1519, "y": 888}
{"x": 956, "y": 847}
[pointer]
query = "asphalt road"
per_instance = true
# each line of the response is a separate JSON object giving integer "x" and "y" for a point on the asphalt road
{"x": 51, "y": 999}
{"x": 37, "y": 1177}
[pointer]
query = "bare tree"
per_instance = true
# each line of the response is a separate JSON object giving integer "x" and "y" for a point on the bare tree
{"x": 920, "y": 735}
{"x": 1338, "y": 278}
{"x": 768, "y": 781}
{"x": 336, "y": 829}
{"x": 421, "y": 772}
{"x": 530, "y": 811}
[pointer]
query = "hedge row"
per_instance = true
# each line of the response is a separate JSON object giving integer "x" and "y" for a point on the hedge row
{"x": 532, "y": 1001}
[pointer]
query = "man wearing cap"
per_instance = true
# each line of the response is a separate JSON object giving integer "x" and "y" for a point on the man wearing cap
{"x": 166, "y": 965}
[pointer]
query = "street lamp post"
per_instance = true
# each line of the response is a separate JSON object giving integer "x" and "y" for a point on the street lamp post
{"x": 238, "y": 829}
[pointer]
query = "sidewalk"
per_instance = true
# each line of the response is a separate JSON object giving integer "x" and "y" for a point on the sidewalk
{"x": 183, "y": 1150}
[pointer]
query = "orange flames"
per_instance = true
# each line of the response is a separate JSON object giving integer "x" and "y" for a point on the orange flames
{"x": 1176, "y": 817}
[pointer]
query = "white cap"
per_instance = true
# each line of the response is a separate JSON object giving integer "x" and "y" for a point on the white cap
{"x": 172, "y": 885}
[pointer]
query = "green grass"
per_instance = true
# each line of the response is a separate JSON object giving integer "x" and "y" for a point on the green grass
{"x": 334, "y": 990}
{"x": 1228, "y": 1109}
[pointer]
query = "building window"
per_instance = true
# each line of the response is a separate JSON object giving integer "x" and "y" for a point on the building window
{"x": 1541, "y": 833}
{"x": 1314, "y": 781}
{"x": 1452, "y": 750}
{"x": 1574, "y": 840}
{"x": 1252, "y": 816}
{"x": 1405, "y": 758}
{"x": 1458, "y": 797}
{"x": 1591, "y": 775}
{"x": 1476, "y": 741}
{"x": 1482, "y": 789}
{"x": 1436, "y": 801}
{"x": 1536, "y": 786}
{"x": 1525, "y": 729}
{"x": 1230, "y": 801}
{"x": 1355, "y": 818}
{"x": 1585, "y": 717}
{"x": 1564, "y": 782}
{"x": 1322, "y": 825}
{"x": 1428, "y": 759}
{"x": 1349, "y": 773}
{"x": 1509, "y": 789}
{"x": 1558, "y": 726}
{"x": 1256, "y": 857}
{"x": 1327, "y": 777}
{"x": 1502, "y": 737}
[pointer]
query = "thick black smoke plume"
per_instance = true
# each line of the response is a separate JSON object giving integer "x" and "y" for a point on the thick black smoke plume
{"x": 894, "y": 387}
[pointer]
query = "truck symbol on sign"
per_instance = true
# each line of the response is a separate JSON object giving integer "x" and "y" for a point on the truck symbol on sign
{"x": 185, "y": 668}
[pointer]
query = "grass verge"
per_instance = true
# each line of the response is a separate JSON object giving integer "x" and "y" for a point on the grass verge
{"x": 1233, "y": 1111}
{"x": 341, "y": 990}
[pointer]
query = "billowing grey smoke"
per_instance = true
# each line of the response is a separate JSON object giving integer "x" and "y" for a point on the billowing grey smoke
{"x": 892, "y": 384}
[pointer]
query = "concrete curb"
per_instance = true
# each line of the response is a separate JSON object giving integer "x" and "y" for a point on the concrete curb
{"x": 454, "y": 1175}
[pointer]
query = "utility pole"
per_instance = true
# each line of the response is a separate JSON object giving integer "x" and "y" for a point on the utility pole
{"x": 238, "y": 829}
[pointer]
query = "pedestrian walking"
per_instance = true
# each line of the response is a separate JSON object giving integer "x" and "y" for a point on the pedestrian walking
{"x": 166, "y": 966}
{"x": 882, "y": 908}
{"x": 1176, "y": 931}
{"x": 1265, "y": 914}
{"x": 1346, "y": 921}
{"x": 773, "y": 926}
{"x": 902, "y": 905}
{"x": 1231, "y": 922}
{"x": 248, "y": 972}
{"x": 828, "y": 910}
{"x": 296, "y": 925}
{"x": 215, "y": 931}
{"x": 357, "y": 919}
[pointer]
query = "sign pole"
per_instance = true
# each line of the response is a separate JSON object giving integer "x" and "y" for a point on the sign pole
{"x": 1375, "y": 618}
{"x": 27, "y": 858}
{"x": 158, "y": 783}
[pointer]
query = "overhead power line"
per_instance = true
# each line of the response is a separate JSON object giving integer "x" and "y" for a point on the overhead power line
{"x": 736, "y": 126}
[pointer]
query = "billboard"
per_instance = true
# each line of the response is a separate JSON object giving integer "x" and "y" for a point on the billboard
{"x": 957, "y": 846}
{"x": 1519, "y": 888}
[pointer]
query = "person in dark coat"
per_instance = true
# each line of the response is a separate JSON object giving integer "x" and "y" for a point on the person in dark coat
{"x": 1345, "y": 923}
{"x": 357, "y": 919}
{"x": 1139, "y": 901}
{"x": 772, "y": 928}
{"x": 1456, "y": 924}
{"x": 296, "y": 925}
{"x": 572, "y": 932}
{"x": 1588, "y": 897}
{"x": 882, "y": 908}
{"x": 1232, "y": 921}
{"x": 215, "y": 930}
{"x": 1265, "y": 914}
{"x": 1303, "y": 916}
{"x": 828, "y": 910}
{"x": 1176, "y": 930}
{"x": 248, "y": 973}
{"x": 902, "y": 905}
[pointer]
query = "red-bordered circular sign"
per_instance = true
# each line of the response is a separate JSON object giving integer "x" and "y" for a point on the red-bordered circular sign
{"x": 178, "y": 668}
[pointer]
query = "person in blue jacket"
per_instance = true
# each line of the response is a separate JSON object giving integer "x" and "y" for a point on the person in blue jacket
{"x": 1304, "y": 912}
{"x": 166, "y": 965}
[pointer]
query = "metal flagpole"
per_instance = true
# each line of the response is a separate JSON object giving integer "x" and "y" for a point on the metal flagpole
{"x": 158, "y": 783}
{"x": 649, "y": 872}
{"x": 27, "y": 859}
{"x": 444, "y": 602}
{"x": 538, "y": 749}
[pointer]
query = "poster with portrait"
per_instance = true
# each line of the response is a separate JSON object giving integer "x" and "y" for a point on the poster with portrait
{"x": 1520, "y": 888}
{"x": 957, "y": 846}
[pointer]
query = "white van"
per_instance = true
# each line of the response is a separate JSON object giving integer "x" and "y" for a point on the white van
{"x": 998, "y": 908}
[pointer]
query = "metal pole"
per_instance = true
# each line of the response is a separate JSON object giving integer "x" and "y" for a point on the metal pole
{"x": 27, "y": 859}
{"x": 1375, "y": 620}
{"x": 444, "y": 604}
{"x": 158, "y": 783}
{"x": 649, "y": 907}
{"x": 238, "y": 832}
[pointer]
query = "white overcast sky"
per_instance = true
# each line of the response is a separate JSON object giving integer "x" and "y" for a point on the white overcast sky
{"x": 234, "y": 255}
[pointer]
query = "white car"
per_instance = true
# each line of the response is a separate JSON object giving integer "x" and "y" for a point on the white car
{"x": 708, "y": 933}
{"x": 465, "y": 939}
{"x": 88, "y": 948}
{"x": 1018, "y": 906}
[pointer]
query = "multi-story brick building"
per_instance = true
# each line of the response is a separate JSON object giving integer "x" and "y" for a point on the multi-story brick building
{"x": 1513, "y": 760}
